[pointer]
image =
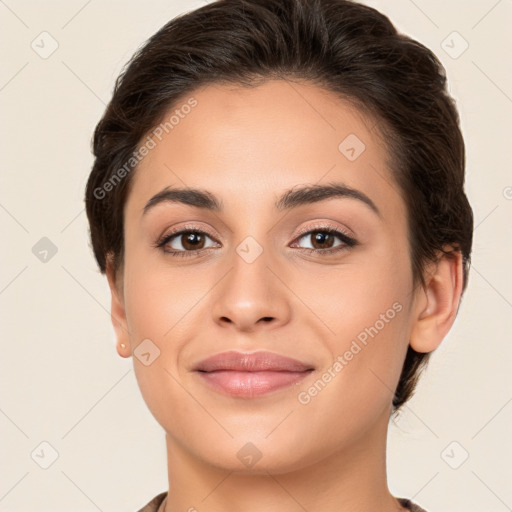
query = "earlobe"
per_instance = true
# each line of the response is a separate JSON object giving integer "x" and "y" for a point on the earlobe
{"x": 123, "y": 350}
{"x": 117, "y": 313}
{"x": 437, "y": 303}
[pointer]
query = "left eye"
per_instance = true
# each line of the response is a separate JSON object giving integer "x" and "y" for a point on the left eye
{"x": 325, "y": 239}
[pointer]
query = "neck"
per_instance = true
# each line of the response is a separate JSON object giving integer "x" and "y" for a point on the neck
{"x": 352, "y": 479}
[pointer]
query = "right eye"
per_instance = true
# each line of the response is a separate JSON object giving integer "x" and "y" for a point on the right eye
{"x": 185, "y": 241}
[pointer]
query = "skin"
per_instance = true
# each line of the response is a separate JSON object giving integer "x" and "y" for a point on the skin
{"x": 247, "y": 147}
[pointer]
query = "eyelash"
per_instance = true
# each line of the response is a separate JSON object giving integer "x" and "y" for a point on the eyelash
{"x": 348, "y": 242}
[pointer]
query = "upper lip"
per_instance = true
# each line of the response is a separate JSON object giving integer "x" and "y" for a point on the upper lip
{"x": 252, "y": 362}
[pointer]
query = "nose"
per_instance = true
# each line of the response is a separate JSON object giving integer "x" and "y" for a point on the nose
{"x": 251, "y": 297}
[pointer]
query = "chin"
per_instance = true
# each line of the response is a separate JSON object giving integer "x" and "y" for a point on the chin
{"x": 258, "y": 456}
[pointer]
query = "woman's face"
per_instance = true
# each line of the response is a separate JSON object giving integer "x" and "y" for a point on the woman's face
{"x": 262, "y": 273}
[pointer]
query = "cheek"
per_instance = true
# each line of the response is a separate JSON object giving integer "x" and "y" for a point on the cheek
{"x": 351, "y": 297}
{"x": 355, "y": 389}
{"x": 160, "y": 298}
{"x": 366, "y": 310}
{"x": 166, "y": 306}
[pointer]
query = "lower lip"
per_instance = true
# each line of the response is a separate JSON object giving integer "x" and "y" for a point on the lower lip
{"x": 250, "y": 384}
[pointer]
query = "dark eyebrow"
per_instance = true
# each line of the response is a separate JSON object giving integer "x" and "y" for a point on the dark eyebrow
{"x": 190, "y": 196}
{"x": 298, "y": 196}
{"x": 303, "y": 195}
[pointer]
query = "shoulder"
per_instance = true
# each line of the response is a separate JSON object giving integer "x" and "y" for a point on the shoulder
{"x": 153, "y": 505}
{"x": 409, "y": 505}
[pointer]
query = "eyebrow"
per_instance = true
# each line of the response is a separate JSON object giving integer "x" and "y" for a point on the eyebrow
{"x": 293, "y": 198}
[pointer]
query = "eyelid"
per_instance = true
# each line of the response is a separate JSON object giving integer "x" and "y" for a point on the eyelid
{"x": 304, "y": 231}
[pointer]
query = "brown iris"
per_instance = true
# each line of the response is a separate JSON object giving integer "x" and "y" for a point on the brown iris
{"x": 192, "y": 240}
{"x": 324, "y": 239}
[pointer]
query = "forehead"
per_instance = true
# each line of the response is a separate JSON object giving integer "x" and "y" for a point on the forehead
{"x": 245, "y": 144}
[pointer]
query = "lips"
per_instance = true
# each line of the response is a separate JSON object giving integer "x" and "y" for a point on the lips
{"x": 248, "y": 375}
{"x": 252, "y": 362}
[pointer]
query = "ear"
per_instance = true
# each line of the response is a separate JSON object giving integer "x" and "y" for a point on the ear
{"x": 437, "y": 303}
{"x": 117, "y": 312}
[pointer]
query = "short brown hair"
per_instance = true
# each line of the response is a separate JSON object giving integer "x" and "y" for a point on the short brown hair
{"x": 349, "y": 49}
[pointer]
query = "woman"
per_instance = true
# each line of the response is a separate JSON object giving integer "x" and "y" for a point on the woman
{"x": 277, "y": 201}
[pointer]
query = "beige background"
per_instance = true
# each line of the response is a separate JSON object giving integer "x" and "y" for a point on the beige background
{"x": 62, "y": 381}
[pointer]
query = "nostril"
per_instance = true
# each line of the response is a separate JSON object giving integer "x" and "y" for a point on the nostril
{"x": 267, "y": 318}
